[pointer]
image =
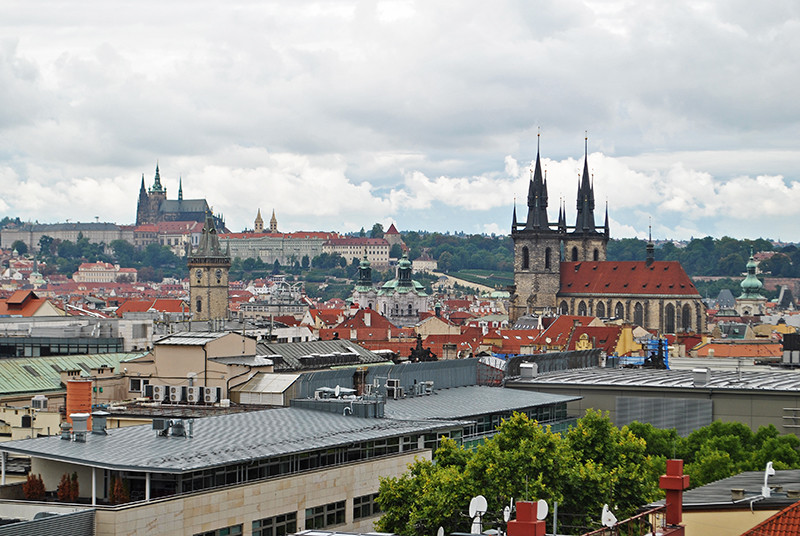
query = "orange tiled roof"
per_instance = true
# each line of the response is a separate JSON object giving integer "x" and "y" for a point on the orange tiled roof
{"x": 784, "y": 523}
{"x": 604, "y": 337}
{"x": 625, "y": 277}
{"x": 741, "y": 349}
{"x": 21, "y": 303}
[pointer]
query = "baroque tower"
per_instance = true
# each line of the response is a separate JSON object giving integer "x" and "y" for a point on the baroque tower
{"x": 208, "y": 276}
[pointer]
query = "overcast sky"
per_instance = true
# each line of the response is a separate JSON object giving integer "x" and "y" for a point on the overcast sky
{"x": 338, "y": 115}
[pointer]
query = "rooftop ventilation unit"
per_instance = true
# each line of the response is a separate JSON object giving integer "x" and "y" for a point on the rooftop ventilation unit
{"x": 178, "y": 429}
{"x": 80, "y": 422}
{"x": 528, "y": 370}
{"x": 393, "y": 389}
{"x": 194, "y": 394}
{"x": 211, "y": 395}
{"x": 159, "y": 425}
{"x": 176, "y": 393}
{"x": 99, "y": 419}
{"x": 39, "y": 402}
{"x": 159, "y": 392}
{"x": 701, "y": 377}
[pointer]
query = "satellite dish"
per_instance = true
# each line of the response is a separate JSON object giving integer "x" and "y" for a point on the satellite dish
{"x": 506, "y": 514}
{"x": 548, "y": 340}
{"x": 608, "y": 518}
{"x": 336, "y": 391}
{"x": 477, "y": 506}
{"x": 541, "y": 509}
{"x": 440, "y": 532}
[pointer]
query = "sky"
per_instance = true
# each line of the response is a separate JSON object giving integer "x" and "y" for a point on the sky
{"x": 340, "y": 114}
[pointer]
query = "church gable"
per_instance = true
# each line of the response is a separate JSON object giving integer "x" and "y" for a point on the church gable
{"x": 663, "y": 278}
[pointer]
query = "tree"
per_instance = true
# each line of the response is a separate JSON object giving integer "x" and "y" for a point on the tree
{"x": 45, "y": 245}
{"x": 68, "y": 489}
{"x": 396, "y": 251}
{"x": 377, "y": 231}
{"x": 20, "y": 246}
{"x": 33, "y": 488}
{"x": 304, "y": 262}
{"x": 592, "y": 464}
{"x": 119, "y": 493}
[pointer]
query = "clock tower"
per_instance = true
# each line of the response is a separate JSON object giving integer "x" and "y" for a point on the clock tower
{"x": 208, "y": 276}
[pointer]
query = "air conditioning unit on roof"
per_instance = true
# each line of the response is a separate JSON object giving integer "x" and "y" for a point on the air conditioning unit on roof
{"x": 194, "y": 394}
{"x": 175, "y": 393}
{"x": 211, "y": 395}
{"x": 159, "y": 392}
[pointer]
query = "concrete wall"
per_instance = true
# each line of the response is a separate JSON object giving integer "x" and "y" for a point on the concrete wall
{"x": 206, "y": 511}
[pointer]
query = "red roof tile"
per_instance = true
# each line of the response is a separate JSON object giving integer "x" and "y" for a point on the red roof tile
{"x": 625, "y": 277}
{"x": 784, "y": 523}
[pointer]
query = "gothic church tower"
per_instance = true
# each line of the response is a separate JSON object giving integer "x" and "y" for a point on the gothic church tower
{"x": 537, "y": 246}
{"x": 208, "y": 276}
{"x": 540, "y": 246}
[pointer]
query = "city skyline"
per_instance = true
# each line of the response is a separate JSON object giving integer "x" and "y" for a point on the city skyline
{"x": 341, "y": 114}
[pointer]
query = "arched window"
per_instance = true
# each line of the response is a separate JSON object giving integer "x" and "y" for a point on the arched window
{"x": 564, "y": 308}
{"x": 596, "y": 255}
{"x": 600, "y": 309}
{"x": 547, "y": 259}
{"x": 409, "y": 309}
{"x": 669, "y": 318}
{"x": 619, "y": 311}
{"x": 525, "y": 258}
{"x": 638, "y": 314}
{"x": 574, "y": 254}
{"x": 198, "y": 306}
{"x": 581, "y": 308}
{"x": 686, "y": 318}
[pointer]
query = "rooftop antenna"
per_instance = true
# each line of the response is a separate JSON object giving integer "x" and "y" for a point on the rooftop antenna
{"x": 768, "y": 472}
{"x": 477, "y": 507}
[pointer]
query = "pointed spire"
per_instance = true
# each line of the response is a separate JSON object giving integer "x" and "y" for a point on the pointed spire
{"x": 514, "y": 217}
{"x": 180, "y": 188}
{"x": 537, "y": 196}
{"x": 605, "y": 225}
{"x": 157, "y": 187}
{"x": 585, "y": 203}
{"x": 651, "y": 248}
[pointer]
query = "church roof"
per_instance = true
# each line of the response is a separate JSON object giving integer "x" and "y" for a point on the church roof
{"x": 392, "y": 230}
{"x": 625, "y": 278}
{"x": 172, "y": 206}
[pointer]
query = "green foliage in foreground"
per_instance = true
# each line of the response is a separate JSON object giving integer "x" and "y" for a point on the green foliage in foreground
{"x": 591, "y": 464}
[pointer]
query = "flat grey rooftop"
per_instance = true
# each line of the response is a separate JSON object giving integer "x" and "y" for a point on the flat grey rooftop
{"x": 221, "y": 440}
{"x": 772, "y": 380}
{"x": 469, "y": 401}
{"x": 718, "y": 494}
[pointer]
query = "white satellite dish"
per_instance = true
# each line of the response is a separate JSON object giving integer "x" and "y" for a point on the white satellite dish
{"x": 336, "y": 391}
{"x": 548, "y": 340}
{"x": 541, "y": 509}
{"x": 477, "y": 506}
{"x": 506, "y": 514}
{"x": 440, "y": 532}
{"x": 608, "y": 518}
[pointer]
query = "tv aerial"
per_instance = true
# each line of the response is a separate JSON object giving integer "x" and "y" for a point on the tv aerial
{"x": 608, "y": 518}
{"x": 477, "y": 507}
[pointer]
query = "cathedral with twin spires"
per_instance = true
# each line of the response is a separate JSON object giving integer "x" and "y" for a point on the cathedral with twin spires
{"x": 562, "y": 269}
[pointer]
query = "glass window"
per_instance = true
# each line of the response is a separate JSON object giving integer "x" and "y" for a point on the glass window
{"x": 227, "y": 531}
{"x": 326, "y": 515}
{"x": 365, "y": 506}
{"x": 276, "y": 526}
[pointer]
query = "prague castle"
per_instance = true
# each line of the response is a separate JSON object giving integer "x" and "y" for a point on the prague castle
{"x": 153, "y": 206}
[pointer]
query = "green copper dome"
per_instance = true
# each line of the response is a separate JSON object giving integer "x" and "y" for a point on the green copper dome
{"x": 751, "y": 285}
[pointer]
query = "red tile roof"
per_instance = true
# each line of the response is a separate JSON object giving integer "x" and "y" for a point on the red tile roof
{"x": 162, "y": 305}
{"x": 604, "y": 337}
{"x": 784, "y": 523}
{"x": 21, "y": 303}
{"x": 625, "y": 277}
{"x": 391, "y": 230}
{"x": 740, "y": 349}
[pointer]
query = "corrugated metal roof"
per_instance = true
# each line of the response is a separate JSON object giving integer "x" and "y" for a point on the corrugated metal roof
{"x": 470, "y": 401}
{"x": 315, "y": 354}
{"x": 265, "y": 382}
{"x": 40, "y": 374}
{"x": 222, "y": 440}
{"x": 191, "y": 338}
{"x": 773, "y": 380}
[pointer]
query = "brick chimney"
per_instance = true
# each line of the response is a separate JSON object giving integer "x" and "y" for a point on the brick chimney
{"x": 674, "y": 482}
{"x": 526, "y": 523}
